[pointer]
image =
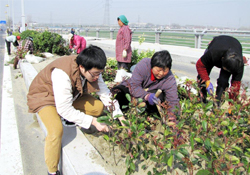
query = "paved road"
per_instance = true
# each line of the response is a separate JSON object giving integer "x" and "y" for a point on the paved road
{"x": 2, "y": 52}
{"x": 185, "y": 68}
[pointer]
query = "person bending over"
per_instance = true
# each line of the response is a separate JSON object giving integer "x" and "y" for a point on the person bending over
{"x": 224, "y": 52}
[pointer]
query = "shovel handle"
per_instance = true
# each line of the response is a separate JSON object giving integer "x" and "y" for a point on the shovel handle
{"x": 158, "y": 92}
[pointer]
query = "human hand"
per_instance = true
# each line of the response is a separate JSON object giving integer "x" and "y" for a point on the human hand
{"x": 100, "y": 126}
{"x": 152, "y": 99}
{"x": 124, "y": 53}
{"x": 209, "y": 87}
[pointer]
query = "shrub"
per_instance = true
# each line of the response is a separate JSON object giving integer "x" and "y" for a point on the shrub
{"x": 205, "y": 141}
{"x": 30, "y": 33}
{"x": 110, "y": 70}
{"x": 51, "y": 42}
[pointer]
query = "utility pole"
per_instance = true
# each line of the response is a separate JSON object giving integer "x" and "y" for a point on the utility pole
{"x": 23, "y": 17}
{"x": 8, "y": 16}
{"x": 13, "y": 17}
{"x": 106, "y": 13}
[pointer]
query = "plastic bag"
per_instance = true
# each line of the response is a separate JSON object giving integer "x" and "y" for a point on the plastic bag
{"x": 33, "y": 59}
{"x": 121, "y": 74}
{"x": 124, "y": 53}
{"x": 48, "y": 55}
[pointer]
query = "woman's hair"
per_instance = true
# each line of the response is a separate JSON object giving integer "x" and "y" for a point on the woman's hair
{"x": 161, "y": 59}
{"x": 232, "y": 61}
{"x": 92, "y": 57}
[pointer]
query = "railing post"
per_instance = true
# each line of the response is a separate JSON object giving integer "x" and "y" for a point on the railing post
{"x": 198, "y": 38}
{"x": 157, "y": 36}
{"x": 86, "y": 32}
{"x": 112, "y": 33}
{"x": 97, "y": 33}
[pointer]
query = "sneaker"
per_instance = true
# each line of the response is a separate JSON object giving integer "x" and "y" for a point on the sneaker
{"x": 57, "y": 173}
{"x": 68, "y": 123}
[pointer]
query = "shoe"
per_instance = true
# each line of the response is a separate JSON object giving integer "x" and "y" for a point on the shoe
{"x": 57, "y": 173}
{"x": 68, "y": 123}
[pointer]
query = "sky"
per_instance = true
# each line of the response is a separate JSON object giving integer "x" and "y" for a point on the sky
{"x": 221, "y": 13}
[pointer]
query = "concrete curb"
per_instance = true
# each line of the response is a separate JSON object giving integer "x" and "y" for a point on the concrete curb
{"x": 76, "y": 149}
{"x": 10, "y": 152}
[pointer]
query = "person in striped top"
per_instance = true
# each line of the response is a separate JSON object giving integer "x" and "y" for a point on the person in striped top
{"x": 23, "y": 47}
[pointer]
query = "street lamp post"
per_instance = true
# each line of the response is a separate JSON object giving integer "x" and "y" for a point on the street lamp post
{"x": 23, "y": 17}
{"x": 13, "y": 17}
{"x": 8, "y": 20}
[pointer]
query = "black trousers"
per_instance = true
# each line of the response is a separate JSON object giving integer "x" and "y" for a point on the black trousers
{"x": 222, "y": 84}
{"x": 8, "y": 46}
{"x": 121, "y": 92}
{"x": 122, "y": 65}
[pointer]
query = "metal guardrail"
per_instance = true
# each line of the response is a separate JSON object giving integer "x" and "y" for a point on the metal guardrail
{"x": 179, "y": 37}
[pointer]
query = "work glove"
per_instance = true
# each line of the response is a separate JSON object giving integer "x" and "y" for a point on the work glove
{"x": 152, "y": 99}
{"x": 229, "y": 114}
{"x": 209, "y": 87}
{"x": 124, "y": 53}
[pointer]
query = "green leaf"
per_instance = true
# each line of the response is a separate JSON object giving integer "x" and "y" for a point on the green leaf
{"x": 154, "y": 159}
{"x": 127, "y": 146}
{"x": 199, "y": 140}
{"x": 145, "y": 154}
{"x": 127, "y": 161}
{"x": 106, "y": 137}
{"x": 224, "y": 123}
{"x": 168, "y": 146}
{"x": 209, "y": 106}
{"x": 118, "y": 115}
{"x": 124, "y": 106}
{"x": 141, "y": 126}
{"x": 170, "y": 161}
{"x": 128, "y": 97}
{"x": 203, "y": 157}
{"x": 207, "y": 144}
{"x": 237, "y": 148}
{"x": 144, "y": 167}
{"x": 125, "y": 122}
{"x": 184, "y": 151}
{"x": 203, "y": 172}
{"x": 180, "y": 124}
{"x": 132, "y": 166}
{"x": 140, "y": 100}
{"x": 140, "y": 133}
{"x": 204, "y": 125}
{"x": 102, "y": 118}
{"x": 179, "y": 155}
{"x": 133, "y": 128}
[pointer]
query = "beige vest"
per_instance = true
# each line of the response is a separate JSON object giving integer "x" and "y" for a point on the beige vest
{"x": 41, "y": 90}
